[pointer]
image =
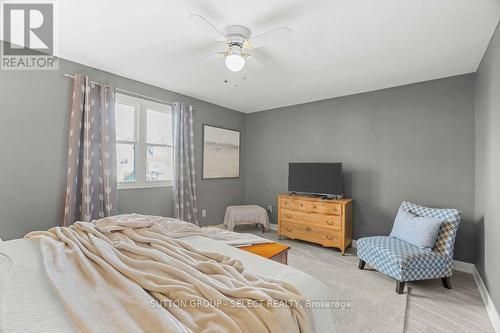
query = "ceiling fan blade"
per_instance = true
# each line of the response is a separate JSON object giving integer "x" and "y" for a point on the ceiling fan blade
{"x": 210, "y": 58}
{"x": 207, "y": 27}
{"x": 254, "y": 62}
{"x": 270, "y": 37}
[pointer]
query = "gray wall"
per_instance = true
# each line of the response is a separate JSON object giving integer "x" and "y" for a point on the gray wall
{"x": 34, "y": 109}
{"x": 414, "y": 142}
{"x": 488, "y": 168}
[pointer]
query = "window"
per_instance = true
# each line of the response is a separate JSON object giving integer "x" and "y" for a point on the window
{"x": 144, "y": 152}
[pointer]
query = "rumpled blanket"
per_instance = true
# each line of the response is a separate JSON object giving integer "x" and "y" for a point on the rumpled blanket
{"x": 126, "y": 274}
{"x": 177, "y": 229}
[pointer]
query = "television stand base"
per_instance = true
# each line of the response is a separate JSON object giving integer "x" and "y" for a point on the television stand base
{"x": 327, "y": 197}
{"x": 333, "y": 197}
{"x": 319, "y": 196}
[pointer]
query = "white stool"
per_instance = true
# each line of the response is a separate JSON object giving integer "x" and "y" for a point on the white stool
{"x": 247, "y": 214}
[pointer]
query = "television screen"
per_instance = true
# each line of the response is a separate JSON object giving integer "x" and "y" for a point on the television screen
{"x": 317, "y": 178}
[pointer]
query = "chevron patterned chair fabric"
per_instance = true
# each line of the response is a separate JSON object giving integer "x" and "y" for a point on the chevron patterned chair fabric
{"x": 406, "y": 262}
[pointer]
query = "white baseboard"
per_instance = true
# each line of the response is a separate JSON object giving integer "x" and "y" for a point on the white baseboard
{"x": 463, "y": 266}
{"x": 490, "y": 307}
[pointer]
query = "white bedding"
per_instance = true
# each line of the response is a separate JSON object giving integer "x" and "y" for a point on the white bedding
{"x": 31, "y": 305}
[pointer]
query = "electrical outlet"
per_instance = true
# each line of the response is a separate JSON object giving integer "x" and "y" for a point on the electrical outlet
{"x": 204, "y": 213}
{"x": 270, "y": 209}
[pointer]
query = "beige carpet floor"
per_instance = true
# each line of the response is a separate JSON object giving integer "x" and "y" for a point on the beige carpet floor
{"x": 375, "y": 306}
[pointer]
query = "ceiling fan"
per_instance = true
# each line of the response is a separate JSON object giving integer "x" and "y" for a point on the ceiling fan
{"x": 239, "y": 44}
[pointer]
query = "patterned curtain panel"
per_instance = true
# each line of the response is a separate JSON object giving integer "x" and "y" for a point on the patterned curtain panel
{"x": 184, "y": 170}
{"x": 91, "y": 184}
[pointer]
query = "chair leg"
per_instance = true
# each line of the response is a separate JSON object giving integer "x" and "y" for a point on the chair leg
{"x": 361, "y": 264}
{"x": 400, "y": 287}
{"x": 446, "y": 282}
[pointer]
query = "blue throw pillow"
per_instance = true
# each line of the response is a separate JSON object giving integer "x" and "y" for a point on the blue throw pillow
{"x": 416, "y": 230}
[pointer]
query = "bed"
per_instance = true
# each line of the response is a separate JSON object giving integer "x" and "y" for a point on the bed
{"x": 31, "y": 305}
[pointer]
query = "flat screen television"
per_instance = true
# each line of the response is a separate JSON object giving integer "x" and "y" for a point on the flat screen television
{"x": 315, "y": 178}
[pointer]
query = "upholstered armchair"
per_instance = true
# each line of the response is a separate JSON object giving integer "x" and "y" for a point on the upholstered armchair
{"x": 406, "y": 262}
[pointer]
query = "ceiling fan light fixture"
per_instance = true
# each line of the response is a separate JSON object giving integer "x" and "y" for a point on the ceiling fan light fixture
{"x": 234, "y": 60}
{"x": 238, "y": 43}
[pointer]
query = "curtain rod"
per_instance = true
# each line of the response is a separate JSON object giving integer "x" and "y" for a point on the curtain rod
{"x": 126, "y": 91}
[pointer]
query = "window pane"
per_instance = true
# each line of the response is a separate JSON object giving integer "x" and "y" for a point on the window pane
{"x": 125, "y": 118}
{"x": 159, "y": 127}
{"x": 159, "y": 164}
{"x": 125, "y": 158}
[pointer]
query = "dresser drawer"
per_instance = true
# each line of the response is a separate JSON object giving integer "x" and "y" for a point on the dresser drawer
{"x": 312, "y": 233}
{"x": 294, "y": 216}
{"x": 292, "y": 204}
{"x": 325, "y": 208}
{"x": 333, "y": 222}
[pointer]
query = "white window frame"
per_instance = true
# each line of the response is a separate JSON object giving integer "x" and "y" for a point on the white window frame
{"x": 141, "y": 107}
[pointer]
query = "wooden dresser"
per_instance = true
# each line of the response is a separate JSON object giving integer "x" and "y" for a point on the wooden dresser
{"x": 326, "y": 222}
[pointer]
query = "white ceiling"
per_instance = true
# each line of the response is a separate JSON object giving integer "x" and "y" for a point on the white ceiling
{"x": 339, "y": 47}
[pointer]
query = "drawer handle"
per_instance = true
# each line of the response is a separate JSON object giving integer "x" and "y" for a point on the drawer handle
{"x": 288, "y": 229}
{"x": 308, "y": 228}
{"x": 330, "y": 222}
{"x": 302, "y": 205}
{"x": 289, "y": 216}
{"x": 329, "y": 237}
{"x": 286, "y": 203}
{"x": 315, "y": 206}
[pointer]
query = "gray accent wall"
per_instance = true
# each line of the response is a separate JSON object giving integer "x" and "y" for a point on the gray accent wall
{"x": 488, "y": 168}
{"x": 414, "y": 142}
{"x": 34, "y": 110}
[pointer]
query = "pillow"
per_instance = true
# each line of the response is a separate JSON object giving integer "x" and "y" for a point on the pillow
{"x": 417, "y": 230}
{"x": 5, "y": 274}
